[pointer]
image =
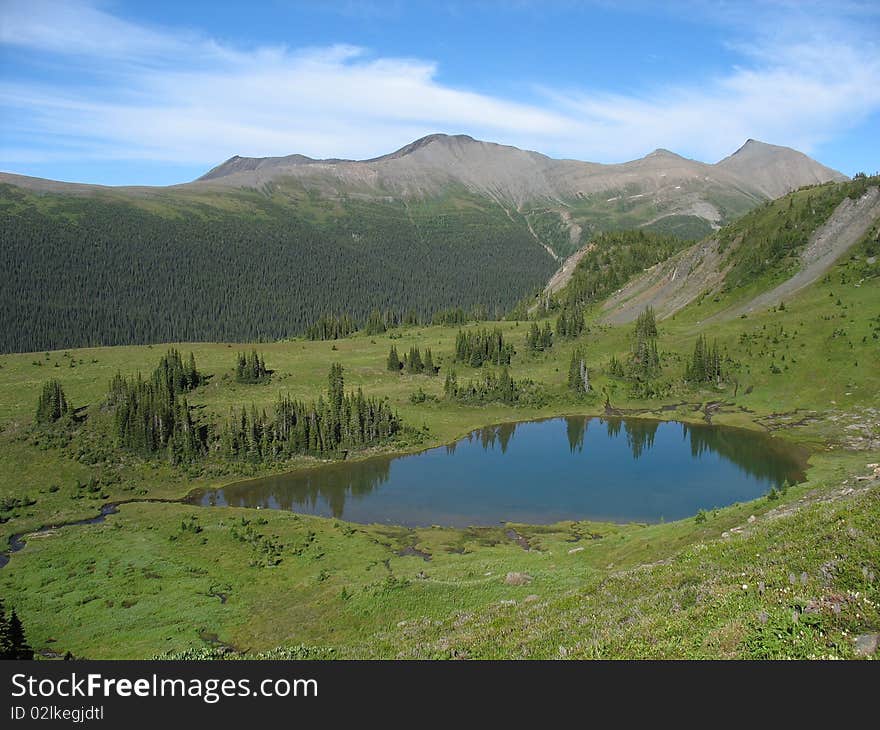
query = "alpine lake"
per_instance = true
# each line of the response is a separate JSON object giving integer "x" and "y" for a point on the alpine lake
{"x": 538, "y": 472}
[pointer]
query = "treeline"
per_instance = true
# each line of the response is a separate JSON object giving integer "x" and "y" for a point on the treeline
{"x": 412, "y": 362}
{"x": 192, "y": 271}
{"x": 331, "y": 327}
{"x": 336, "y": 422}
{"x": 482, "y": 346}
{"x": 334, "y": 327}
{"x": 250, "y": 368}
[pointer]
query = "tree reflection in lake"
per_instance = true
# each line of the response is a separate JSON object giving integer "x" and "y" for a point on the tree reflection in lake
{"x": 538, "y": 471}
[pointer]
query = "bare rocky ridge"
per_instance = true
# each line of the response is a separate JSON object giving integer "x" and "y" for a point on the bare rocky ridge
{"x": 516, "y": 176}
{"x": 773, "y": 170}
{"x": 668, "y": 286}
{"x": 846, "y": 225}
{"x": 511, "y": 175}
{"x": 673, "y": 284}
{"x": 528, "y": 186}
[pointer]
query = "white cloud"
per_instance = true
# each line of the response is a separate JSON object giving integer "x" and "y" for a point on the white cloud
{"x": 132, "y": 92}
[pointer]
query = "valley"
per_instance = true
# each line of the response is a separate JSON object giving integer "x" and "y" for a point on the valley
{"x": 274, "y": 244}
{"x": 792, "y": 573}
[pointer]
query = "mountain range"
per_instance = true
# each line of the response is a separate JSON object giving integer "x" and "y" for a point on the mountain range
{"x": 261, "y": 247}
{"x": 425, "y": 167}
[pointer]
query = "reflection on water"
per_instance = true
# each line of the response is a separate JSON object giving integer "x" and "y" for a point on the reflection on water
{"x": 539, "y": 471}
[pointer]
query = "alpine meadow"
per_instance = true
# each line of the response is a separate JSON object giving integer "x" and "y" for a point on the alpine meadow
{"x": 461, "y": 400}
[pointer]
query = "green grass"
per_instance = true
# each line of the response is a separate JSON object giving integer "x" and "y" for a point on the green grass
{"x": 140, "y": 585}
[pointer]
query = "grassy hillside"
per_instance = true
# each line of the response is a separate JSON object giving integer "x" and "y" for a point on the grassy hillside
{"x": 798, "y": 580}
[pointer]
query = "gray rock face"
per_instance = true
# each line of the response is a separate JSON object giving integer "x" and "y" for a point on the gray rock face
{"x": 867, "y": 644}
{"x": 428, "y": 165}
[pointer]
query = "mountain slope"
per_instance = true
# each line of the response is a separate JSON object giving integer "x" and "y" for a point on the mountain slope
{"x": 773, "y": 170}
{"x": 564, "y": 201}
{"x": 519, "y": 176}
{"x": 263, "y": 247}
{"x": 762, "y": 259}
{"x": 661, "y": 186}
{"x": 95, "y": 270}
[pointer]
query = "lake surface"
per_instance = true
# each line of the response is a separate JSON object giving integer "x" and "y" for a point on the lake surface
{"x": 538, "y": 472}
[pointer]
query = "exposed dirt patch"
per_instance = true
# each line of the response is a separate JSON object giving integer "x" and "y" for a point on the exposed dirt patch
{"x": 669, "y": 285}
{"x": 518, "y": 539}
{"x": 411, "y": 550}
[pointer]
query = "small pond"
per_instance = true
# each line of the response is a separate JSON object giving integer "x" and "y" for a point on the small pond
{"x": 538, "y": 472}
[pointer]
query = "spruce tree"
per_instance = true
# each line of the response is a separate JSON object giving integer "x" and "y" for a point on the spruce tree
{"x": 615, "y": 367}
{"x": 13, "y": 643}
{"x": 644, "y": 361}
{"x": 546, "y": 337}
{"x": 17, "y": 638}
{"x": 393, "y": 363}
{"x": 533, "y": 338}
{"x": 578, "y": 375}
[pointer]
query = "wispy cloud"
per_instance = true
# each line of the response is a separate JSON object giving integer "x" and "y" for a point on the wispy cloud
{"x": 136, "y": 93}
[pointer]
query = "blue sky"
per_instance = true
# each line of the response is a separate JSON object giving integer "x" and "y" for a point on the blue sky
{"x": 157, "y": 92}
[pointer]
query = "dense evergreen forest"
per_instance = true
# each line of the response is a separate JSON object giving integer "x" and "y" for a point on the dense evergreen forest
{"x": 247, "y": 266}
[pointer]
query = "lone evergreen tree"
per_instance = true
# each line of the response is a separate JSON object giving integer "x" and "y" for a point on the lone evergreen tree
{"x": 393, "y": 363}
{"x": 13, "y": 643}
